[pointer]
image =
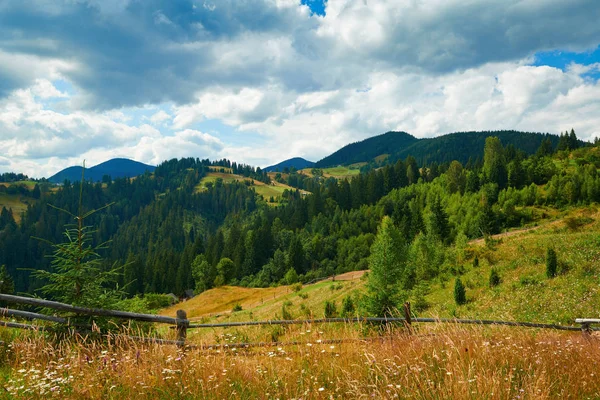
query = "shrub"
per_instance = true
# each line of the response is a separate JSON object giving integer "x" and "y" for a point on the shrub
{"x": 529, "y": 280}
{"x": 494, "y": 278}
{"x": 330, "y": 309}
{"x": 285, "y": 313}
{"x": 348, "y": 307}
{"x": 291, "y": 276}
{"x": 460, "y": 296}
{"x": 296, "y": 287}
{"x": 237, "y": 307}
{"x": 551, "y": 263}
{"x": 419, "y": 292}
{"x": 303, "y": 295}
{"x": 306, "y": 311}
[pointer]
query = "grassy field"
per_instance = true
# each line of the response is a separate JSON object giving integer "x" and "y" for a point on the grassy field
{"x": 267, "y": 191}
{"x": 381, "y": 158}
{"x": 525, "y": 292}
{"x": 220, "y": 169}
{"x": 213, "y": 176}
{"x": 17, "y": 203}
{"x": 339, "y": 172}
{"x": 445, "y": 362}
{"x": 29, "y": 184}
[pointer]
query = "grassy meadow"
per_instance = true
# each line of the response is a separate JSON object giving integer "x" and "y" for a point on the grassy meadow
{"x": 16, "y": 203}
{"x": 442, "y": 362}
{"x": 267, "y": 191}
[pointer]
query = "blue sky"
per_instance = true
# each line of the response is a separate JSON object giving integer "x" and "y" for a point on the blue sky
{"x": 260, "y": 81}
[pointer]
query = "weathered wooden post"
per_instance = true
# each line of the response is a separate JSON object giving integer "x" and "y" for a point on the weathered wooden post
{"x": 182, "y": 325}
{"x": 586, "y": 323}
{"x": 585, "y": 329}
{"x": 407, "y": 318}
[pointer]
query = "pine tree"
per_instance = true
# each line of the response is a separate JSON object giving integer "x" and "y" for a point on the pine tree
{"x": 77, "y": 277}
{"x": 494, "y": 162}
{"x": 7, "y": 285}
{"x": 494, "y": 278}
{"x": 551, "y": 262}
{"x": 387, "y": 263}
{"x": 438, "y": 222}
{"x": 460, "y": 295}
{"x": 573, "y": 142}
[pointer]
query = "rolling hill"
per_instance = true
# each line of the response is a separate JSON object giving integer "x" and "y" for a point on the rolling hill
{"x": 368, "y": 149}
{"x": 115, "y": 168}
{"x": 296, "y": 162}
{"x": 459, "y": 146}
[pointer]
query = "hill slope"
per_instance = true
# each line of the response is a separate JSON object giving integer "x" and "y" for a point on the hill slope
{"x": 524, "y": 294}
{"x": 296, "y": 162}
{"x": 454, "y": 146}
{"x": 116, "y": 168}
{"x": 368, "y": 149}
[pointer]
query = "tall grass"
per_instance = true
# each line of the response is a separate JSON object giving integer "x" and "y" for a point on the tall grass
{"x": 439, "y": 362}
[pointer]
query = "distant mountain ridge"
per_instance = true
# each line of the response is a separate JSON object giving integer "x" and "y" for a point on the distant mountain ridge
{"x": 368, "y": 149}
{"x": 296, "y": 162}
{"x": 115, "y": 168}
{"x": 460, "y": 146}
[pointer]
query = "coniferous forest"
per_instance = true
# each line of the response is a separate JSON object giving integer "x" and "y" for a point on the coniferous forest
{"x": 168, "y": 236}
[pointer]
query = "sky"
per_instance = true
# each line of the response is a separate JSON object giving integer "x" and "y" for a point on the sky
{"x": 260, "y": 81}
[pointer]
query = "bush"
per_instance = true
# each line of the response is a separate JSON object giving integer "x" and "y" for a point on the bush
{"x": 551, "y": 263}
{"x": 529, "y": 280}
{"x": 237, "y": 307}
{"x": 296, "y": 287}
{"x": 419, "y": 292}
{"x": 460, "y": 295}
{"x": 348, "y": 307}
{"x": 303, "y": 295}
{"x": 306, "y": 311}
{"x": 330, "y": 309}
{"x": 494, "y": 278}
{"x": 291, "y": 276}
{"x": 285, "y": 313}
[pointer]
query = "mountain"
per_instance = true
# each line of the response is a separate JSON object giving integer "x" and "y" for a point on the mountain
{"x": 368, "y": 149}
{"x": 115, "y": 168}
{"x": 454, "y": 146}
{"x": 296, "y": 162}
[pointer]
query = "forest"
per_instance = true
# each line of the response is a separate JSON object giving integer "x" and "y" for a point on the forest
{"x": 167, "y": 236}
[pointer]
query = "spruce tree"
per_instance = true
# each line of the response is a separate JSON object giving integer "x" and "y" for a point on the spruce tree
{"x": 494, "y": 278}
{"x": 387, "y": 262}
{"x": 460, "y": 295}
{"x": 77, "y": 276}
{"x": 551, "y": 263}
{"x": 494, "y": 162}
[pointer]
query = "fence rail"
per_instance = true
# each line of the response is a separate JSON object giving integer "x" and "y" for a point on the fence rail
{"x": 182, "y": 324}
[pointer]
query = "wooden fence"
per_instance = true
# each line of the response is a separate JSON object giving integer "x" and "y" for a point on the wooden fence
{"x": 182, "y": 324}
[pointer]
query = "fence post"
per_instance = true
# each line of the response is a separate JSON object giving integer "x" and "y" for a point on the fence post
{"x": 182, "y": 325}
{"x": 585, "y": 329}
{"x": 407, "y": 318}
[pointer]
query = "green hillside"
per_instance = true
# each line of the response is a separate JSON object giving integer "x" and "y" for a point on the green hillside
{"x": 368, "y": 149}
{"x": 524, "y": 293}
{"x": 460, "y": 146}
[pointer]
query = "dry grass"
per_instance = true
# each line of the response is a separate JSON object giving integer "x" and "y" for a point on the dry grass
{"x": 222, "y": 299}
{"x": 16, "y": 203}
{"x": 440, "y": 362}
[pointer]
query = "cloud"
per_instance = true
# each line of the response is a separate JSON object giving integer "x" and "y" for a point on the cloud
{"x": 160, "y": 117}
{"x": 150, "y": 52}
{"x": 146, "y": 78}
{"x": 30, "y": 130}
